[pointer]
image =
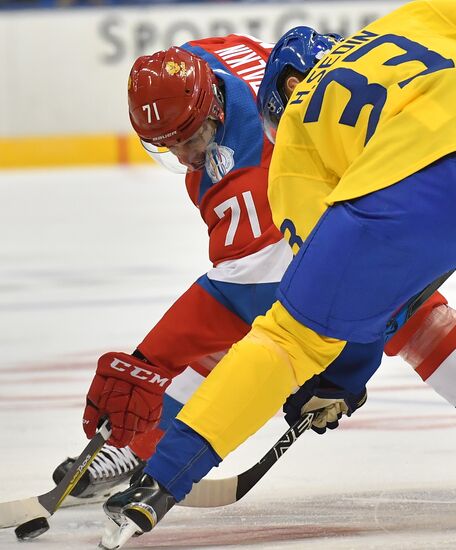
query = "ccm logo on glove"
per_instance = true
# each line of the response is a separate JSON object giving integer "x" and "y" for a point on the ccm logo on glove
{"x": 138, "y": 372}
{"x": 129, "y": 391}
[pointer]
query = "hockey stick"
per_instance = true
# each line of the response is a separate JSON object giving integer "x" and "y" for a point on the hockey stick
{"x": 220, "y": 492}
{"x": 209, "y": 493}
{"x": 20, "y": 511}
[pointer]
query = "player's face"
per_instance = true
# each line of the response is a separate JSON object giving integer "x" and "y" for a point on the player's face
{"x": 192, "y": 152}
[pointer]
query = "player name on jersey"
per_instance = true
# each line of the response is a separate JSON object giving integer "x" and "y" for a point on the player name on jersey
{"x": 245, "y": 63}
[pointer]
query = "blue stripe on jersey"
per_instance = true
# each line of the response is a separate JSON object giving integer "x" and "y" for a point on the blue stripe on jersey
{"x": 246, "y": 301}
{"x": 242, "y": 131}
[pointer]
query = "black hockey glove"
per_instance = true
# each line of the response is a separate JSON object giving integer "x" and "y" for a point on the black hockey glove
{"x": 328, "y": 401}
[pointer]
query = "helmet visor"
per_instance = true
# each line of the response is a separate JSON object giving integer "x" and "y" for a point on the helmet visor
{"x": 163, "y": 156}
{"x": 271, "y": 114}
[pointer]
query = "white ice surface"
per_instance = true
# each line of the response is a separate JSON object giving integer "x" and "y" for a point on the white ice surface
{"x": 89, "y": 260}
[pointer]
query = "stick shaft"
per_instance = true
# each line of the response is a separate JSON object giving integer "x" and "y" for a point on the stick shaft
{"x": 16, "y": 512}
{"x": 53, "y": 499}
{"x": 210, "y": 493}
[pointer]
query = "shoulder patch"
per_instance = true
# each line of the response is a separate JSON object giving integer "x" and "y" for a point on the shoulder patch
{"x": 219, "y": 161}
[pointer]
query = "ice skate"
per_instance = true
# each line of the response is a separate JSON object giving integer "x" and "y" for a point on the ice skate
{"x": 111, "y": 468}
{"x": 135, "y": 511}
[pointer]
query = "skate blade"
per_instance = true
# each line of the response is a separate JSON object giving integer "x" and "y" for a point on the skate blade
{"x": 115, "y": 536}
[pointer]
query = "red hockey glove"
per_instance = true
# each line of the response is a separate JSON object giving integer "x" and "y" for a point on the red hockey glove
{"x": 128, "y": 391}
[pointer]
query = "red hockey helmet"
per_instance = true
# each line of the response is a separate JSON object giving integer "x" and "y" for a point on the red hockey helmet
{"x": 170, "y": 94}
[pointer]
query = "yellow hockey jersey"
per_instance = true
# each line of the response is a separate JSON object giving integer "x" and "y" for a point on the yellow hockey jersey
{"x": 379, "y": 107}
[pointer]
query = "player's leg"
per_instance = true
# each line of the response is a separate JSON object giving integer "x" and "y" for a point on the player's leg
{"x": 178, "y": 393}
{"x": 427, "y": 342}
{"x": 246, "y": 301}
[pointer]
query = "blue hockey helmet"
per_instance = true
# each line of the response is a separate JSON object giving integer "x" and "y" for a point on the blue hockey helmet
{"x": 299, "y": 48}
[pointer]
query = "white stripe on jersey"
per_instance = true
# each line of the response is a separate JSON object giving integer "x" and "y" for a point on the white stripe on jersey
{"x": 265, "y": 266}
{"x": 184, "y": 385}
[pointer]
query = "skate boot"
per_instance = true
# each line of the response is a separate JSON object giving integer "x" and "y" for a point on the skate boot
{"x": 111, "y": 467}
{"x": 135, "y": 511}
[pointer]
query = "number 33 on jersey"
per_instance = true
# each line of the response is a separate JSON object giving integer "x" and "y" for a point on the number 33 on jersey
{"x": 370, "y": 95}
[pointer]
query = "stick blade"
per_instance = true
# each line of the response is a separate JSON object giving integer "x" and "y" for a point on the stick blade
{"x": 16, "y": 512}
{"x": 210, "y": 493}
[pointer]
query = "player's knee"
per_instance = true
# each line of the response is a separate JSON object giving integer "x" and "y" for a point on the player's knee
{"x": 307, "y": 352}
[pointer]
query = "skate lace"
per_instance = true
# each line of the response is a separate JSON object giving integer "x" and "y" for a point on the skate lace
{"x": 111, "y": 462}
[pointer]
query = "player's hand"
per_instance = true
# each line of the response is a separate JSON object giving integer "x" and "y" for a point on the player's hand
{"x": 328, "y": 401}
{"x": 129, "y": 392}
